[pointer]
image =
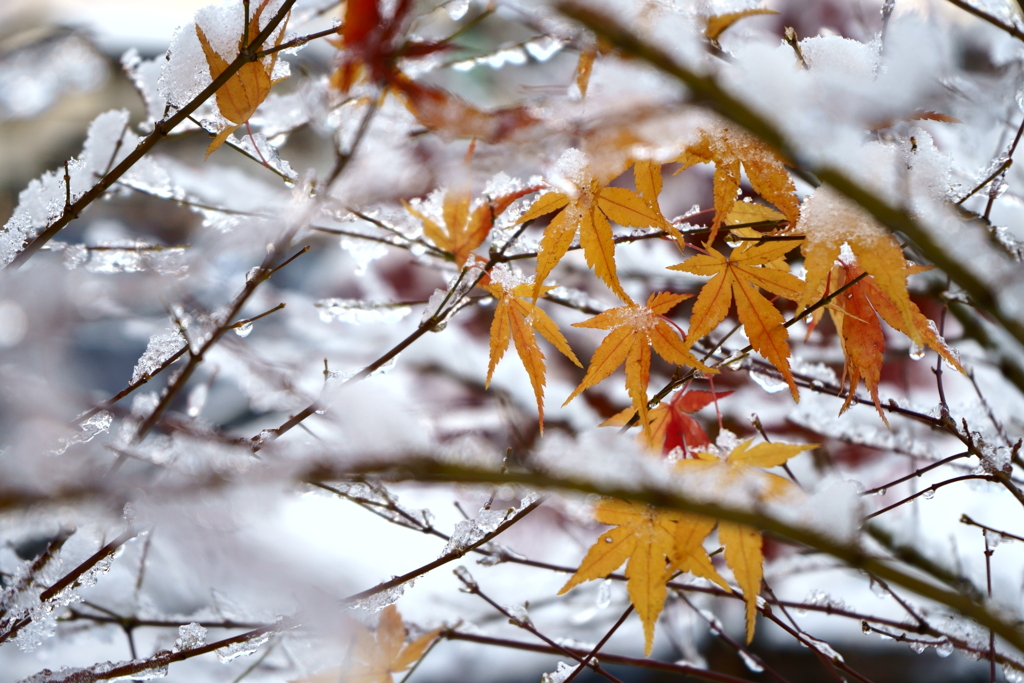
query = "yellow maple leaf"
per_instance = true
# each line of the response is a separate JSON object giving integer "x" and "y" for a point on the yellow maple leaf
{"x": 737, "y": 278}
{"x": 653, "y": 543}
{"x": 516, "y": 318}
{"x": 718, "y": 23}
{"x": 378, "y": 656}
{"x": 634, "y": 331}
{"x": 827, "y": 222}
{"x": 464, "y": 230}
{"x": 728, "y": 149}
{"x": 747, "y": 212}
{"x": 743, "y": 543}
{"x": 239, "y": 98}
{"x": 588, "y": 211}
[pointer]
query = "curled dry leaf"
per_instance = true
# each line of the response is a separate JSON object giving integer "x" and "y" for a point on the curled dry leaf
{"x": 718, "y": 23}
{"x": 243, "y": 93}
{"x": 856, "y": 316}
{"x": 464, "y": 229}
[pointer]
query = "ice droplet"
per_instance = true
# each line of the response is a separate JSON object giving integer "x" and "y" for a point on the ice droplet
{"x": 918, "y": 647}
{"x": 928, "y": 494}
{"x": 1013, "y": 674}
{"x": 770, "y": 383}
{"x": 604, "y": 594}
{"x": 244, "y": 648}
{"x": 244, "y": 330}
{"x": 190, "y": 636}
{"x": 253, "y": 274}
{"x": 993, "y": 539}
{"x": 945, "y": 649}
{"x": 463, "y": 575}
{"x": 457, "y": 9}
{"x": 916, "y": 352}
{"x": 752, "y": 664}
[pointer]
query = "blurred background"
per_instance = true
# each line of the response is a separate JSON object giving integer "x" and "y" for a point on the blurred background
{"x": 60, "y": 66}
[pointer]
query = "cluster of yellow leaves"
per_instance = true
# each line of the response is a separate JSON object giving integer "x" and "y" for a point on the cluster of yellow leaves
{"x": 657, "y": 543}
{"x": 634, "y": 331}
{"x": 243, "y": 93}
{"x": 376, "y": 657}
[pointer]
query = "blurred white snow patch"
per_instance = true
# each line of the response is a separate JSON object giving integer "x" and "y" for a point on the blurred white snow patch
{"x": 833, "y": 510}
{"x": 13, "y": 323}
{"x": 602, "y": 458}
{"x": 470, "y": 450}
{"x": 33, "y": 77}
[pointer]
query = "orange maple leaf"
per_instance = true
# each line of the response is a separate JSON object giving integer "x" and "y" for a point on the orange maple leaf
{"x": 738, "y": 277}
{"x": 828, "y": 221}
{"x": 516, "y": 317}
{"x": 587, "y": 211}
{"x": 377, "y": 657}
{"x": 743, "y": 543}
{"x": 860, "y": 332}
{"x": 655, "y": 542}
{"x": 464, "y": 230}
{"x": 635, "y": 330}
{"x": 727, "y": 149}
{"x": 671, "y": 425}
{"x": 243, "y": 93}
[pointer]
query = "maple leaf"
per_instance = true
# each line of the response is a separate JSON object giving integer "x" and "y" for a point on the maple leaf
{"x": 451, "y": 116}
{"x": 516, "y": 317}
{"x": 243, "y": 93}
{"x": 671, "y": 425}
{"x": 827, "y": 222}
{"x": 634, "y": 330}
{"x": 588, "y": 212}
{"x": 377, "y": 657}
{"x": 464, "y": 230}
{"x": 728, "y": 149}
{"x": 373, "y": 47}
{"x": 749, "y": 267}
{"x": 860, "y": 332}
{"x": 718, "y": 23}
{"x": 650, "y": 539}
{"x": 743, "y": 543}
